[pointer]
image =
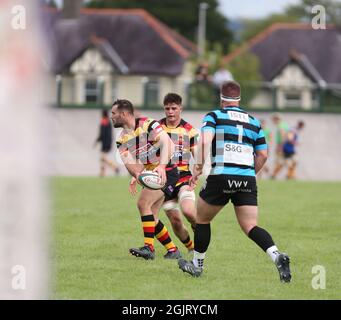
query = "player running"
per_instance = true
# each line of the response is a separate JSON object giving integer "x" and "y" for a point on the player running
{"x": 184, "y": 137}
{"x": 238, "y": 152}
{"x": 143, "y": 144}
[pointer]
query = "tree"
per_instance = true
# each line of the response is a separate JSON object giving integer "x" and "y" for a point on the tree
{"x": 180, "y": 15}
{"x": 252, "y": 27}
{"x": 245, "y": 69}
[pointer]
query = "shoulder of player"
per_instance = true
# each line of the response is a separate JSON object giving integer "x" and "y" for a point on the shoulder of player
{"x": 162, "y": 121}
{"x": 186, "y": 125}
{"x": 148, "y": 124}
{"x": 213, "y": 114}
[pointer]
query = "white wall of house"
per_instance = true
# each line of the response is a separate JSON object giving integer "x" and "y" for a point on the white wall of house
{"x": 92, "y": 65}
{"x": 131, "y": 88}
{"x": 292, "y": 82}
{"x": 263, "y": 99}
{"x": 69, "y": 89}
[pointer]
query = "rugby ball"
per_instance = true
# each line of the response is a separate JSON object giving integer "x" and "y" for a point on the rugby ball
{"x": 150, "y": 180}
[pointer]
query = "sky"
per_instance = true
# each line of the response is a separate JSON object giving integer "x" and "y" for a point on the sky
{"x": 247, "y": 8}
{"x": 252, "y": 8}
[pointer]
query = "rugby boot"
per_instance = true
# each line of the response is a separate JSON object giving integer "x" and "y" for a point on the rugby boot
{"x": 282, "y": 264}
{"x": 143, "y": 252}
{"x": 189, "y": 267}
{"x": 173, "y": 254}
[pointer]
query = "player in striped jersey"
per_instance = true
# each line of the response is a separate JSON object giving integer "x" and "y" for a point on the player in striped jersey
{"x": 185, "y": 138}
{"x": 238, "y": 152}
{"x": 143, "y": 144}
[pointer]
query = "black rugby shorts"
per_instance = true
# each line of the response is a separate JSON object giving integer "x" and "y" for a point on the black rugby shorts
{"x": 220, "y": 189}
{"x": 172, "y": 179}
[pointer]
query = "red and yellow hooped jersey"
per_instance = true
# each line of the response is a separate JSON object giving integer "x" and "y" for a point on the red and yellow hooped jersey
{"x": 185, "y": 138}
{"x": 140, "y": 142}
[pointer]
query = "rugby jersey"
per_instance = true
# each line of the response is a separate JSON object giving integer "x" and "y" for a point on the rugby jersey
{"x": 185, "y": 138}
{"x": 140, "y": 142}
{"x": 237, "y": 136}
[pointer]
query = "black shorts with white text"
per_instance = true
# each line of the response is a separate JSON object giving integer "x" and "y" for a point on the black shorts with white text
{"x": 220, "y": 189}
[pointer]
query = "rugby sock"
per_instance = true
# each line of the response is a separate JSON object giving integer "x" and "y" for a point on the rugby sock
{"x": 161, "y": 233}
{"x": 188, "y": 243}
{"x": 148, "y": 224}
{"x": 202, "y": 238}
{"x": 273, "y": 253}
{"x": 264, "y": 240}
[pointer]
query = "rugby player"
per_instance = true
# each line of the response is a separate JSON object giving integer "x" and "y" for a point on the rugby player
{"x": 184, "y": 137}
{"x": 143, "y": 144}
{"x": 238, "y": 152}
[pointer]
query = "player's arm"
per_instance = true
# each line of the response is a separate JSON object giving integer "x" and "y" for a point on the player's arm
{"x": 203, "y": 150}
{"x": 133, "y": 165}
{"x": 261, "y": 151}
{"x": 167, "y": 149}
{"x": 260, "y": 158}
{"x": 194, "y": 137}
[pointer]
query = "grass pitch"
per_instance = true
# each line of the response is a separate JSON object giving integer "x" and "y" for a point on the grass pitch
{"x": 95, "y": 221}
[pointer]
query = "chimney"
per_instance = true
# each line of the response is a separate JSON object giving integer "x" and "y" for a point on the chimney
{"x": 71, "y": 9}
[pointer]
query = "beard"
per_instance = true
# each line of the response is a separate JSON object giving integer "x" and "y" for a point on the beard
{"x": 118, "y": 125}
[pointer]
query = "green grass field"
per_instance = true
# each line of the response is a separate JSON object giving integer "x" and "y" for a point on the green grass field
{"x": 95, "y": 222}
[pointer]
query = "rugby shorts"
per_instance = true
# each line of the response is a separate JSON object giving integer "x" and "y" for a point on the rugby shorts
{"x": 220, "y": 189}
{"x": 182, "y": 174}
{"x": 172, "y": 179}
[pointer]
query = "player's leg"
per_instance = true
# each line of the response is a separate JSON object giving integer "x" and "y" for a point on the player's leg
{"x": 279, "y": 163}
{"x": 161, "y": 233}
{"x": 187, "y": 205}
{"x": 247, "y": 216}
{"x": 145, "y": 202}
{"x": 175, "y": 217}
{"x": 110, "y": 163}
{"x": 102, "y": 165}
{"x": 202, "y": 237}
{"x": 291, "y": 167}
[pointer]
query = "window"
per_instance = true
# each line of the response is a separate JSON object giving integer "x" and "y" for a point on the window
{"x": 292, "y": 99}
{"x": 92, "y": 91}
{"x": 152, "y": 92}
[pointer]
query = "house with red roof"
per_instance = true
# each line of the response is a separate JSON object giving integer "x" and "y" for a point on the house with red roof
{"x": 105, "y": 54}
{"x": 297, "y": 64}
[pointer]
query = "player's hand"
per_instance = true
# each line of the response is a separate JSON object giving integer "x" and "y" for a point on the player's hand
{"x": 132, "y": 186}
{"x": 161, "y": 171}
{"x": 193, "y": 181}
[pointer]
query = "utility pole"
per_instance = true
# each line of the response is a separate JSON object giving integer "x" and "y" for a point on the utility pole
{"x": 203, "y": 6}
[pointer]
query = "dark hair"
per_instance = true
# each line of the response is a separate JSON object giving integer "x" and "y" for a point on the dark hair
{"x": 230, "y": 89}
{"x": 172, "y": 98}
{"x": 124, "y": 105}
{"x": 105, "y": 113}
{"x": 300, "y": 124}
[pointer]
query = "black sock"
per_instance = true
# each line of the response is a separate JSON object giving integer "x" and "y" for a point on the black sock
{"x": 202, "y": 237}
{"x": 261, "y": 237}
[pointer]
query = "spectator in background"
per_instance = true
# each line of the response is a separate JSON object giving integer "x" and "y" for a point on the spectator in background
{"x": 282, "y": 129}
{"x": 219, "y": 77}
{"x": 202, "y": 73}
{"x": 289, "y": 149}
{"x": 105, "y": 137}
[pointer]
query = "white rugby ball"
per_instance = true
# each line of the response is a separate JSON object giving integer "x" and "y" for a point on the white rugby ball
{"x": 150, "y": 180}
